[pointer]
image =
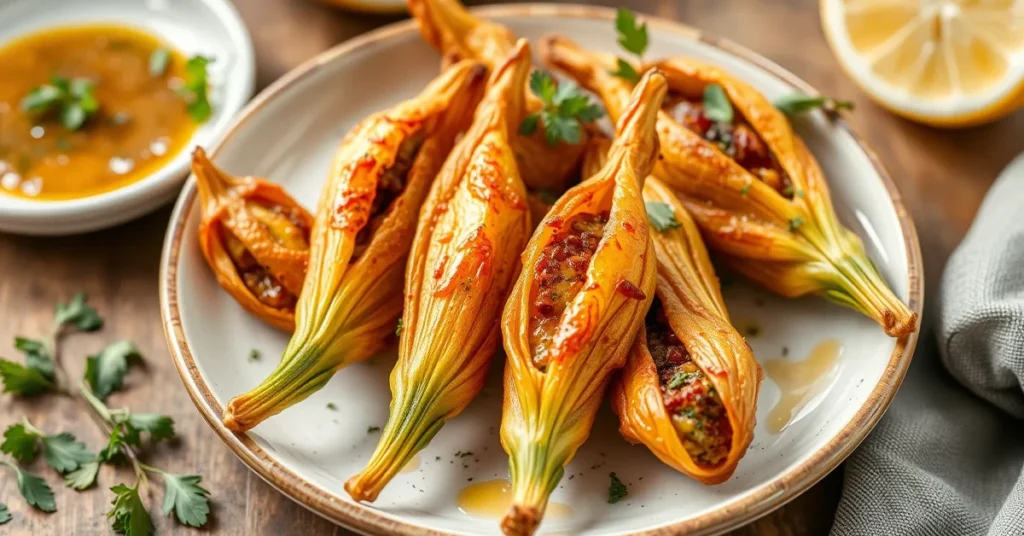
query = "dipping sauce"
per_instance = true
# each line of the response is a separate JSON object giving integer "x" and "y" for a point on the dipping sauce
{"x": 141, "y": 121}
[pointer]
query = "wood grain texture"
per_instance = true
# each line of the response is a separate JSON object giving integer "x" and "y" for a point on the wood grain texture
{"x": 942, "y": 176}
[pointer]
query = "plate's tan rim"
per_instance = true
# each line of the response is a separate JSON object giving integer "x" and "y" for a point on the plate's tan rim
{"x": 749, "y": 506}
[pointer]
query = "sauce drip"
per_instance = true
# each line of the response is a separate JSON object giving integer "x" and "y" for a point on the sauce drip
{"x": 800, "y": 380}
{"x": 142, "y": 122}
{"x": 491, "y": 499}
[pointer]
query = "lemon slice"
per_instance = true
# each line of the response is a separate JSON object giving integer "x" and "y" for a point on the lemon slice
{"x": 940, "y": 62}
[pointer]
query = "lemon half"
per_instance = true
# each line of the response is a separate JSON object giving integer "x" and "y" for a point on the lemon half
{"x": 940, "y": 62}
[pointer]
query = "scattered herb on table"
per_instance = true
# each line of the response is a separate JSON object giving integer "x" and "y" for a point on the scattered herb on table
{"x": 632, "y": 38}
{"x": 798, "y": 103}
{"x": 661, "y": 216}
{"x": 42, "y": 372}
{"x": 71, "y": 100}
{"x": 616, "y": 490}
{"x": 566, "y": 107}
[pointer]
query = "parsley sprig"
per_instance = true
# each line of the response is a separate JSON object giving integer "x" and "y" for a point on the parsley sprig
{"x": 566, "y": 107}
{"x": 42, "y": 372}
{"x": 797, "y": 103}
{"x": 71, "y": 100}
{"x": 195, "y": 88}
{"x": 661, "y": 216}
{"x": 632, "y": 38}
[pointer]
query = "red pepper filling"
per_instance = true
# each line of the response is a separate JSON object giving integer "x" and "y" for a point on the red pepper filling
{"x": 560, "y": 274}
{"x": 390, "y": 185}
{"x": 694, "y": 404}
{"x": 736, "y": 139}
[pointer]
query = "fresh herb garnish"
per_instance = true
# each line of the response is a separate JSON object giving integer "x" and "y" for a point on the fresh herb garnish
{"x": 83, "y": 477}
{"x": 254, "y": 355}
{"x": 398, "y": 328}
{"x": 716, "y": 104}
{"x": 21, "y": 380}
{"x": 798, "y": 103}
{"x": 62, "y": 452}
{"x": 158, "y": 61}
{"x": 79, "y": 313}
{"x": 795, "y": 223}
{"x": 372, "y": 429}
{"x": 183, "y": 495}
{"x": 681, "y": 378}
{"x": 105, "y": 371}
{"x": 616, "y": 490}
{"x": 34, "y": 489}
{"x": 565, "y": 108}
{"x": 332, "y": 406}
{"x": 196, "y": 87}
{"x": 5, "y": 514}
{"x": 661, "y": 216}
{"x": 72, "y": 100}
{"x": 632, "y": 38}
{"x": 745, "y": 189}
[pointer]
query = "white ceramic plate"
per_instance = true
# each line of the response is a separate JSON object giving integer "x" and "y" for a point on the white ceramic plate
{"x": 289, "y": 134}
{"x": 208, "y": 27}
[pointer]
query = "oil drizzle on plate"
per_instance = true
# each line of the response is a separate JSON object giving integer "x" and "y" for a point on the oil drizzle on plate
{"x": 490, "y": 499}
{"x": 800, "y": 380}
{"x": 414, "y": 464}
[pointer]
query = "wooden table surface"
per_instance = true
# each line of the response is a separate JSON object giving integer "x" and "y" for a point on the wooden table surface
{"x": 942, "y": 176}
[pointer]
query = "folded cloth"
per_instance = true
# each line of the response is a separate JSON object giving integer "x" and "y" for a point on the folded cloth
{"x": 948, "y": 456}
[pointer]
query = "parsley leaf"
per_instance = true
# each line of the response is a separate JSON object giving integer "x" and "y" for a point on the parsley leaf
{"x": 37, "y": 356}
{"x": 625, "y": 70}
{"x": 83, "y": 477}
{"x": 798, "y": 103}
{"x": 64, "y": 453}
{"x": 34, "y": 489}
{"x": 196, "y": 88}
{"x": 21, "y": 380}
{"x": 105, "y": 371}
{"x": 121, "y": 435}
{"x": 632, "y": 37}
{"x": 565, "y": 108}
{"x": 186, "y": 498}
{"x": 5, "y": 514}
{"x": 661, "y": 216}
{"x": 20, "y": 443}
{"x": 72, "y": 100}
{"x": 158, "y": 61}
{"x": 716, "y": 104}
{"x": 79, "y": 313}
{"x": 130, "y": 515}
{"x": 680, "y": 379}
{"x": 617, "y": 490}
{"x": 160, "y": 427}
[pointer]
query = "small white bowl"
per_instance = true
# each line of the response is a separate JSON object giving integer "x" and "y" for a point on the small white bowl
{"x": 209, "y": 27}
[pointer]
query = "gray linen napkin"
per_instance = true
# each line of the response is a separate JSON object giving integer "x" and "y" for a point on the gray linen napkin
{"x": 948, "y": 456}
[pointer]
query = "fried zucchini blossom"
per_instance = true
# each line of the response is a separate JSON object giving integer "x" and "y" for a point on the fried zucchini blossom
{"x": 749, "y": 182}
{"x": 450, "y": 28}
{"x": 360, "y": 241}
{"x": 255, "y": 238}
{"x": 588, "y": 277}
{"x": 464, "y": 260}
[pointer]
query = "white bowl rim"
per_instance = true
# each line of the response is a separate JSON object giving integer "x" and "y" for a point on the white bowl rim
{"x": 162, "y": 179}
{"x": 754, "y": 504}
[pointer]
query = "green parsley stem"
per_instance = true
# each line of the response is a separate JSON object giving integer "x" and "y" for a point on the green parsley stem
{"x": 102, "y": 418}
